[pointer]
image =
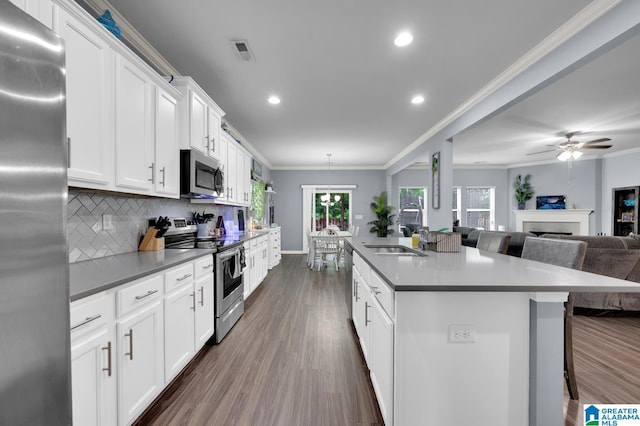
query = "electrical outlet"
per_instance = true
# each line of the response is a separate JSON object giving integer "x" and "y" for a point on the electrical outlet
{"x": 462, "y": 333}
{"x": 107, "y": 222}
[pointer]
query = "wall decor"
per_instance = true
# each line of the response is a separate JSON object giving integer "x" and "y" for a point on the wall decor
{"x": 435, "y": 180}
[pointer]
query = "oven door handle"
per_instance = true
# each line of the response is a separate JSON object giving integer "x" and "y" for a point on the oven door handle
{"x": 227, "y": 254}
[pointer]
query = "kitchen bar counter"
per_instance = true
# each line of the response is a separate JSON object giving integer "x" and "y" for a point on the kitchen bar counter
{"x": 508, "y": 367}
{"x": 93, "y": 276}
{"x": 476, "y": 270}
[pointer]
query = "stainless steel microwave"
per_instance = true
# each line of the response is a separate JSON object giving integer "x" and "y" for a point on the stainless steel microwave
{"x": 200, "y": 176}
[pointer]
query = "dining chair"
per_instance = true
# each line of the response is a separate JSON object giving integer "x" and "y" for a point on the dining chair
{"x": 493, "y": 241}
{"x": 570, "y": 254}
{"x": 325, "y": 246}
{"x": 310, "y": 251}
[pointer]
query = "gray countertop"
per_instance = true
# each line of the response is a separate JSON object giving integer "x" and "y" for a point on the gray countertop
{"x": 93, "y": 276}
{"x": 475, "y": 270}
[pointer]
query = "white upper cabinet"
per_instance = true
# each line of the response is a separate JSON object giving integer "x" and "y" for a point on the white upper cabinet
{"x": 200, "y": 118}
{"x": 122, "y": 118}
{"x": 135, "y": 165}
{"x": 167, "y": 148}
{"x": 42, "y": 10}
{"x": 90, "y": 76}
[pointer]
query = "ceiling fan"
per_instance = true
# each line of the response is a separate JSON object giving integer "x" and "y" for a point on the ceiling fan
{"x": 570, "y": 149}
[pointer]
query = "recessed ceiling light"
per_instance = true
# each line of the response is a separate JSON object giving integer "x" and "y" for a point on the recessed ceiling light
{"x": 418, "y": 99}
{"x": 403, "y": 39}
{"x": 274, "y": 100}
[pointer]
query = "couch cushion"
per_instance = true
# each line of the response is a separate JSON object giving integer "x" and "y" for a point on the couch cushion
{"x": 607, "y": 242}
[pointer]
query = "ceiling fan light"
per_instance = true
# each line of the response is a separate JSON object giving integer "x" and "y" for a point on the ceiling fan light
{"x": 576, "y": 154}
{"x": 563, "y": 156}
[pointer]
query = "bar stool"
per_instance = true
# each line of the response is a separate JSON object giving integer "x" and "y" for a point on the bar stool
{"x": 493, "y": 241}
{"x": 570, "y": 254}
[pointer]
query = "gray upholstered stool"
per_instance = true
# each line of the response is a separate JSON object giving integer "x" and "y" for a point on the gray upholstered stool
{"x": 493, "y": 241}
{"x": 569, "y": 254}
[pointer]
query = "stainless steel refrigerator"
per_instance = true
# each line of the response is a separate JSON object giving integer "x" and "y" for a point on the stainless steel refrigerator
{"x": 35, "y": 378}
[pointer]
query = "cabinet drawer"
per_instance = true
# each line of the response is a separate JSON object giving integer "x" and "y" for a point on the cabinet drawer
{"x": 90, "y": 313}
{"x": 254, "y": 242}
{"x": 383, "y": 293}
{"x": 363, "y": 267}
{"x": 178, "y": 276}
{"x": 203, "y": 266}
{"x": 140, "y": 293}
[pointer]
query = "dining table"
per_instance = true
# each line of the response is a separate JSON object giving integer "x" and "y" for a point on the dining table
{"x": 314, "y": 235}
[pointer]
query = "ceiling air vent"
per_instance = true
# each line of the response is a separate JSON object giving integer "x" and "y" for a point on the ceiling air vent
{"x": 242, "y": 49}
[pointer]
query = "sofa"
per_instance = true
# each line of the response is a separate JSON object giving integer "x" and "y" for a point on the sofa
{"x": 617, "y": 257}
{"x": 470, "y": 238}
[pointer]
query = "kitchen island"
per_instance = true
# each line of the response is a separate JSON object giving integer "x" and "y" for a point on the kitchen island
{"x": 465, "y": 338}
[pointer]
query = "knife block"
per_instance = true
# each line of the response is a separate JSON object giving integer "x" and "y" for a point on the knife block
{"x": 150, "y": 242}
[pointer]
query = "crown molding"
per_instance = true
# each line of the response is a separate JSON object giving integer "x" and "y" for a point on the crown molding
{"x": 568, "y": 30}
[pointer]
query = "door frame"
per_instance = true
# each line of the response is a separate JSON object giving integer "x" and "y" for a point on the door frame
{"x": 308, "y": 214}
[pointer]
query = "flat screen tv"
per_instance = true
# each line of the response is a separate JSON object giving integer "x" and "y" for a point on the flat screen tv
{"x": 551, "y": 202}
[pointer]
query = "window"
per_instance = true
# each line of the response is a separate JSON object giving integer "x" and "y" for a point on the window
{"x": 480, "y": 207}
{"x": 331, "y": 208}
{"x": 456, "y": 208}
{"x": 412, "y": 213}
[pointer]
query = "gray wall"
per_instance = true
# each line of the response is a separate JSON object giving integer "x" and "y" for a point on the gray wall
{"x": 580, "y": 184}
{"x": 288, "y": 200}
{"x": 498, "y": 178}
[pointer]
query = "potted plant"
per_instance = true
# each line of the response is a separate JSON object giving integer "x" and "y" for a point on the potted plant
{"x": 523, "y": 190}
{"x": 382, "y": 211}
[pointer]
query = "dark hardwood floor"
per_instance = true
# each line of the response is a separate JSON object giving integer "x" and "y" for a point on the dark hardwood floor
{"x": 292, "y": 359}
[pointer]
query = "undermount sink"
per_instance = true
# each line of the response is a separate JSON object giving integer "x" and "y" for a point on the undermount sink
{"x": 394, "y": 250}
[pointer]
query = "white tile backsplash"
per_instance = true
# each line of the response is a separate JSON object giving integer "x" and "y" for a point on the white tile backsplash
{"x": 130, "y": 215}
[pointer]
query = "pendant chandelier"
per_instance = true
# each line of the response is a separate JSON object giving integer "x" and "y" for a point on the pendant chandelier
{"x": 326, "y": 198}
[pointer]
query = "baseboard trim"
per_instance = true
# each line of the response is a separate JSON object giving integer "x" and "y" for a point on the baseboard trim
{"x": 293, "y": 252}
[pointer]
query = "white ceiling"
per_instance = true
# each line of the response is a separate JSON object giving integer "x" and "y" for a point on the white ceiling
{"x": 600, "y": 99}
{"x": 345, "y": 87}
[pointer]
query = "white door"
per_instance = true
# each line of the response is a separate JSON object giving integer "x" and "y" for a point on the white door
{"x": 93, "y": 380}
{"x": 179, "y": 335}
{"x": 213, "y": 132}
{"x": 198, "y": 123}
{"x": 231, "y": 173}
{"x": 382, "y": 360}
{"x": 205, "y": 314}
{"x": 222, "y": 151}
{"x": 89, "y": 72}
{"x": 167, "y": 145}
{"x": 140, "y": 361}
{"x": 135, "y": 163}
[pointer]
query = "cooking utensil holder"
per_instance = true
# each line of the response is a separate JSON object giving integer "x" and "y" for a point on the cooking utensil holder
{"x": 150, "y": 242}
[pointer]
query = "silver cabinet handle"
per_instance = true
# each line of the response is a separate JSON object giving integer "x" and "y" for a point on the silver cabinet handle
{"x": 193, "y": 298}
{"x": 355, "y": 290}
{"x": 207, "y": 139}
{"x": 153, "y": 172}
{"x": 366, "y": 314}
{"x": 201, "y": 296}
{"x": 184, "y": 277}
{"x": 86, "y": 321}
{"x": 164, "y": 172}
{"x": 68, "y": 152}
{"x": 108, "y": 367}
{"x": 130, "y": 335}
{"x": 208, "y": 266}
{"x": 149, "y": 293}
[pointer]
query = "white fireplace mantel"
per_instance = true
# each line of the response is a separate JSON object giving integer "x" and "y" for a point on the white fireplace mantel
{"x": 580, "y": 217}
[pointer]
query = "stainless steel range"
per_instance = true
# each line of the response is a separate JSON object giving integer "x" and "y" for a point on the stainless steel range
{"x": 229, "y": 263}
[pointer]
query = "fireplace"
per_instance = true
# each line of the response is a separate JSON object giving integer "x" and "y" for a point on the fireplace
{"x": 571, "y": 221}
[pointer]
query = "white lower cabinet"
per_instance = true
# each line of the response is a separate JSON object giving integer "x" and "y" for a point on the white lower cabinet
{"x": 179, "y": 330}
{"x": 247, "y": 274}
{"x": 189, "y": 314}
{"x": 93, "y": 366}
{"x": 140, "y": 346}
{"x": 204, "y": 315}
{"x": 375, "y": 329}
